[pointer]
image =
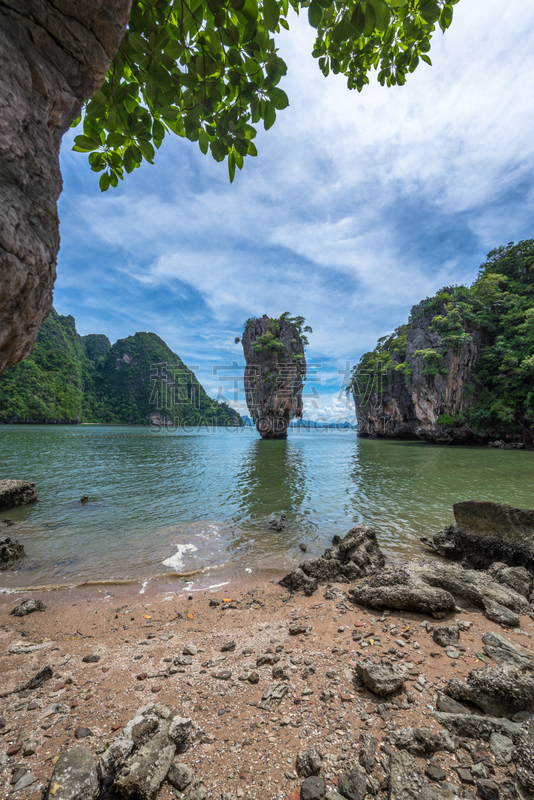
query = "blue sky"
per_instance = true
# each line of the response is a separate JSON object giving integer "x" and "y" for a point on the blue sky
{"x": 357, "y": 207}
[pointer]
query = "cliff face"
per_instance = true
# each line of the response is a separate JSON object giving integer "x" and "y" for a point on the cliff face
{"x": 275, "y": 367}
{"x": 53, "y": 56}
{"x": 424, "y": 391}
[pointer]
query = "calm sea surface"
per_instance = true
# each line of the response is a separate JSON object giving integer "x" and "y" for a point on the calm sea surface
{"x": 163, "y": 504}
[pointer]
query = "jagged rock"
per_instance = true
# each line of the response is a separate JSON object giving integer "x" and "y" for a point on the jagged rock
{"x": 179, "y": 775}
{"x": 139, "y": 759}
{"x": 308, "y": 763}
{"x": 28, "y": 607}
{"x": 504, "y": 652}
{"x": 383, "y": 678}
{"x": 472, "y": 726}
{"x": 405, "y": 778}
{"x": 501, "y": 747}
{"x": 355, "y": 556}
{"x": 523, "y": 757}
{"x": 471, "y": 585}
{"x": 16, "y": 493}
{"x": 37, "y": 681}
{"x": 396, "y": 587}
{"x": 479, "y": 551}
{"x": 75, "y": 776}
{"x": 335, "y": 593}
{"x": 446, "y": 635}
{"x": 11, "y": 551}
{"x": 313, "y": 788}
{"x": 486, "y": 518}
{"x": 450, "y": 706}
{"x": 517, "y": 578}
{"x": 499, "y": 691}
{"x": 423, "y": 741}
{"x": 352, "y": 784}
{"x": 500, "y": 614}
{"x": 275, "y": 367}
{"x": 368, "y": 751}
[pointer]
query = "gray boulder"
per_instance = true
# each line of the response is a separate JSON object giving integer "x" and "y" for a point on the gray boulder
{"x": 499, "y": 691}
{"x": 16, "y": 493}
{"x": 500, "y": 614}
{"x": 383, "y": 678}
{"x": 11, "y": 552}
{"x": 450, "y": 706}
{"x": 137, "y": 762}
{"x": 504, "y": 652}
{"x": 422, "y": 741}
{"x": 502, "y": 748}
{"x": 446, "y": 635}
{"x": 356, "y": 555}
{"x": 406, "y": 780}
{"x": 477, "y": 587}
{"x": 28, "y": 606}
{"x": 313, "y": 788}
{"x": 308, "y": 763}
{"x": 352, "y": 784}
{"x": 179, "y": 775}
{"x": 75, "y": 775}
{"x": 398, "y": 587}
{"x": 485, "y": 518}
{"x": 368, "y": 756}
{"x": 517, "y": 578}
{"x": 473, "y": 726}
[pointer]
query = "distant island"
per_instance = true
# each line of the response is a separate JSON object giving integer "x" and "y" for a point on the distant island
{"x": 68, "y": 378}
{"x": 462, "y": 368}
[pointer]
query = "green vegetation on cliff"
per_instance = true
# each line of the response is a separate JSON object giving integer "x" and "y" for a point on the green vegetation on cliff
{"x": 497, "y": 312}
{"x": 73, "y": 378}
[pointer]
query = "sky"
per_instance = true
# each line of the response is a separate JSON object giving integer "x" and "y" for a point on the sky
{"x": 358, "y": 206}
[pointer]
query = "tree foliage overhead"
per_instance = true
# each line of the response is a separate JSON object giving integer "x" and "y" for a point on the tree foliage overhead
{"x": 209, "y": 70}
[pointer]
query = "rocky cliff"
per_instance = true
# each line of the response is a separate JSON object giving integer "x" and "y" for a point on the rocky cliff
{"x": 462, "y": 368}
{"x": 53, "y": 56}
{"x": 274, "y": 372}
{"x": 424, "y": 389}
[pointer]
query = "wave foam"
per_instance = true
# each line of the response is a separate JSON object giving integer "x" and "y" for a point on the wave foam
{"x": 177, "y": 561}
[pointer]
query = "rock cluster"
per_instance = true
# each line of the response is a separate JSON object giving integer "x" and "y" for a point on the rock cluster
{"x": 133, "y": 767}
{"x": 354, "y": 556}
{"x": 16, "y": 493}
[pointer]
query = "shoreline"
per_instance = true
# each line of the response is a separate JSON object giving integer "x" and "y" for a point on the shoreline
{"x": 236, "y": 746}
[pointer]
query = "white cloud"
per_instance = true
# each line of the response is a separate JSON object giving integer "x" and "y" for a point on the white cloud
{"x": 359, "y": 205}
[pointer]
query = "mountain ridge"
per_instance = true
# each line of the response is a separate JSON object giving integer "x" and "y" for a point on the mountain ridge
{"x": 69, "y": 378}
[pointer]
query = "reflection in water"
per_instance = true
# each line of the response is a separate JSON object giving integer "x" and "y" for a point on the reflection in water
{"x": 271, "y": 480}
{"x": 154, "y": 493}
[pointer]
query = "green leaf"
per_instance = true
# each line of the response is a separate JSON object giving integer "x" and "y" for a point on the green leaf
{"x": 85, "y": 143}
{"x": 104, "y": 182}
{"x": 429, "y": 10}
{"x": 271, "y": 13}
{"x": 445, "y": 18}
{"x": 315, "y": 14}
{"x": 383, "y": 14}
{"x": 115, "y": 139}
{"x": 269, "y": 116}
{"x": 278, "y": 98}
{"x": 344, "y": 30}
{"x": 203, "y": 141}
{"x": 397, "y": 3}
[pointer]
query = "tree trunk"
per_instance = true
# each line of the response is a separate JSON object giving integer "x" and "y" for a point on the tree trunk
{"x": 53, "y": 55}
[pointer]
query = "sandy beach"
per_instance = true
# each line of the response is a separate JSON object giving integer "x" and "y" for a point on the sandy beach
{"x": 237, "y": 644}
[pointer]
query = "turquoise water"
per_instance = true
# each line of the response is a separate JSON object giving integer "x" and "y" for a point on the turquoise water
{"x": 156, "y": 495}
